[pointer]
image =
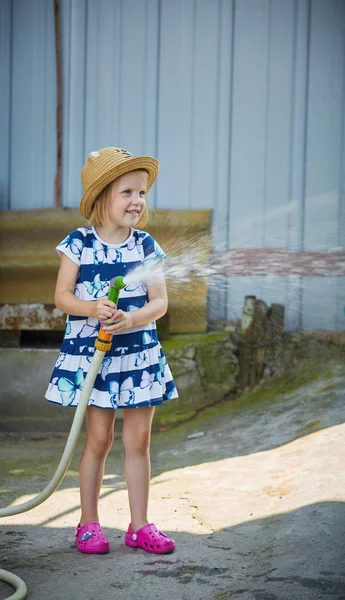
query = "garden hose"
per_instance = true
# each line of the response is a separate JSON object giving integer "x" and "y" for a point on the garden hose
{"x": 102, "y": 345}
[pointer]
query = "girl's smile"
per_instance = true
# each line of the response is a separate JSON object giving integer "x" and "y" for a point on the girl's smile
{"x": 128, "y": 193}
{"x": 126, "y": 206}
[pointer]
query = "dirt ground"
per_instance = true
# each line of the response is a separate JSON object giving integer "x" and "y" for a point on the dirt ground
{"x": 252, "y": 492}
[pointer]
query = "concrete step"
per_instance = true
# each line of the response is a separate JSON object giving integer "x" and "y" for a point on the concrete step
{"x": 29, "y": 262}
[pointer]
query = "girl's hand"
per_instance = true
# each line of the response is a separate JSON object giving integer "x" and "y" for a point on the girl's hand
{"x": 103, "y": 309}
{"x": 120, "y": 320}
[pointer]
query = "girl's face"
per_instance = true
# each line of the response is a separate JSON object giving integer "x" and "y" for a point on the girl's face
{"x": 127, "y": 198}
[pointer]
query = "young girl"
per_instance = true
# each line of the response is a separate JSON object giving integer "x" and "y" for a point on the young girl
{"x": 134, "y": 373}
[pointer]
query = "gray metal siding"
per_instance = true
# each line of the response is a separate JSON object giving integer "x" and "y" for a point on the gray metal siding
{"x": 287, "y": 149}
{"x": 28, "y": 114}
{"x": 5, "y": 100}
{"x": 243, "y": 101}
{"x": 325, "y": 151}
{"x": 110, "y": 56}
{"x": 188, "y": 98}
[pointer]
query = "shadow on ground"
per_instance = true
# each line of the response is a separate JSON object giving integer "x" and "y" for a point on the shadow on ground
{"x": 291, "y": 556}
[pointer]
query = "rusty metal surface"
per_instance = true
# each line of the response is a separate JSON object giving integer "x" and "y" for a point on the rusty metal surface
{"x": 31, "y": 317}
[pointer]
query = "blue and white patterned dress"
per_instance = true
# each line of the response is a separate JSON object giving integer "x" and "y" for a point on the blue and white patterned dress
{"x": 135, "y": 371}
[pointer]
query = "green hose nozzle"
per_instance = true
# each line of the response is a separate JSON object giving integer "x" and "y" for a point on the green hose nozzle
{"x": 116, "y": 284}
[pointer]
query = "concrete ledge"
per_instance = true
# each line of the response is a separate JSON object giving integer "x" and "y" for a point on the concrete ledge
{"x": 204, "y": 368}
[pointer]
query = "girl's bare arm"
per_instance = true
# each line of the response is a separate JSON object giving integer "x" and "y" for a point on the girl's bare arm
{"x": 66, "y": 301}
{"x": 156, "y": 306}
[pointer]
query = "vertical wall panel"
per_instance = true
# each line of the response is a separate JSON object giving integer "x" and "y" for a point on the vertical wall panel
{"x": 340, "y": 308}
{"x": 149, "y": 96}
{"x": 48, "y": 116}
{"x": 104, "y": 52}
{"x": 112, "y": 89}
{"x": 319, "y": 307}
{"x": 137, "y": 93}
{"x": 177, "y": 39}
{"x": 301, "y": 35}
{"x": 217, "y": 300}
{"x": 322, "y": 299}
{"x": 220, "y": 195}
{"x": 218, "y": 293}
{"x": 293, "y": 303}
{"x": 121, "y": 53}
{"x": 204, "y": 110}
{"x": 342, "y": 155}
{"x": 249, "y": 118}
{"x": 298, "y": 150}
{"x": 196, "y": 41}
{"x": 5, "y": 101}
{"x": 33, "y": 146}
{"x": 150, "y": 92}
{"x": 324, "y": 143}
{"x": 26, "y": 141}
{"x": 74, "y": 16}
{"x": 279, "y": 122}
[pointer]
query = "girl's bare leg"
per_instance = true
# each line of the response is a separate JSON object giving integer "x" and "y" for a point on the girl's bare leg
{"x": 136, "y": 436}
{"x": 99, "y": 440}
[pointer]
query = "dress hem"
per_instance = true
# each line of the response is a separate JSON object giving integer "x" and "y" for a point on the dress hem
{"x": 153, "y": 403}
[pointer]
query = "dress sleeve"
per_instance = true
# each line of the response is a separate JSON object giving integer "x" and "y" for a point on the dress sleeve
{"x": 152, "y": 249}
{"x": 72, "y": 246}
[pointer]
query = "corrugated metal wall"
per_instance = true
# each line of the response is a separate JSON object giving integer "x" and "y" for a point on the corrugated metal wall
{"x": 110, "y": 58}
{"x": 27, "y": 101}
{"x": 241, "y": 100}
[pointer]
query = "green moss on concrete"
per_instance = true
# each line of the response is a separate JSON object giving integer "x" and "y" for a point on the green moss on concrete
{"x": 163, "y": 327}
{"x": 293, "y": 350}
{"x": 32, "y": 470}
{"x": 163, "y": 420}
{"x": 277, "y": 388}
{"x": 178, "y": 342}
{"x": 297, "y": 361}
{"x": 219, "y": 366}
{"x": 273, "y": 391}
{"x": 309, "y": 428}
{"x": 204, "y": 370}
{"x": 326, "y": 388}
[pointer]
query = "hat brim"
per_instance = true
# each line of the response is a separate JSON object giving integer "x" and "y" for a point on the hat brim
{"x": 148, "y": 163}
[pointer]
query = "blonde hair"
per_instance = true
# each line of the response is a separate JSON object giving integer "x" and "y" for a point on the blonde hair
{"x": 100, "y": 210}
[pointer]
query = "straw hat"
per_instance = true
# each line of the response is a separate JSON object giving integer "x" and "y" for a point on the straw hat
{"x": 105, "y": 165}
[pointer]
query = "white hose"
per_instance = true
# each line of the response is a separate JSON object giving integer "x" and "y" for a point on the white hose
{"x": 15, "y": 582}
{"x": 60, "y": 472}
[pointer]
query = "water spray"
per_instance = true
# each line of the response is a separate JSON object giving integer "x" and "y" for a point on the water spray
{"x": 102, "y": 344}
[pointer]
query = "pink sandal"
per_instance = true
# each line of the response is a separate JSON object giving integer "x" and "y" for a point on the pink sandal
{"x": 90, "y": 539}
{"x": 149, "y": 538}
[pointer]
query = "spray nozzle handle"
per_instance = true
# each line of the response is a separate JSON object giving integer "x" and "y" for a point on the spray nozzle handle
{"x": 103, "y": 342}
{"x": 116, "y": 284}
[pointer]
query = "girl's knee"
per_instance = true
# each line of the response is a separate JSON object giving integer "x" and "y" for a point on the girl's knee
{"x": 99, "y": 443}
{"x": 136, "y": 442}
{"x": 136, "y": 431}
{"x": 100, "y": 431}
